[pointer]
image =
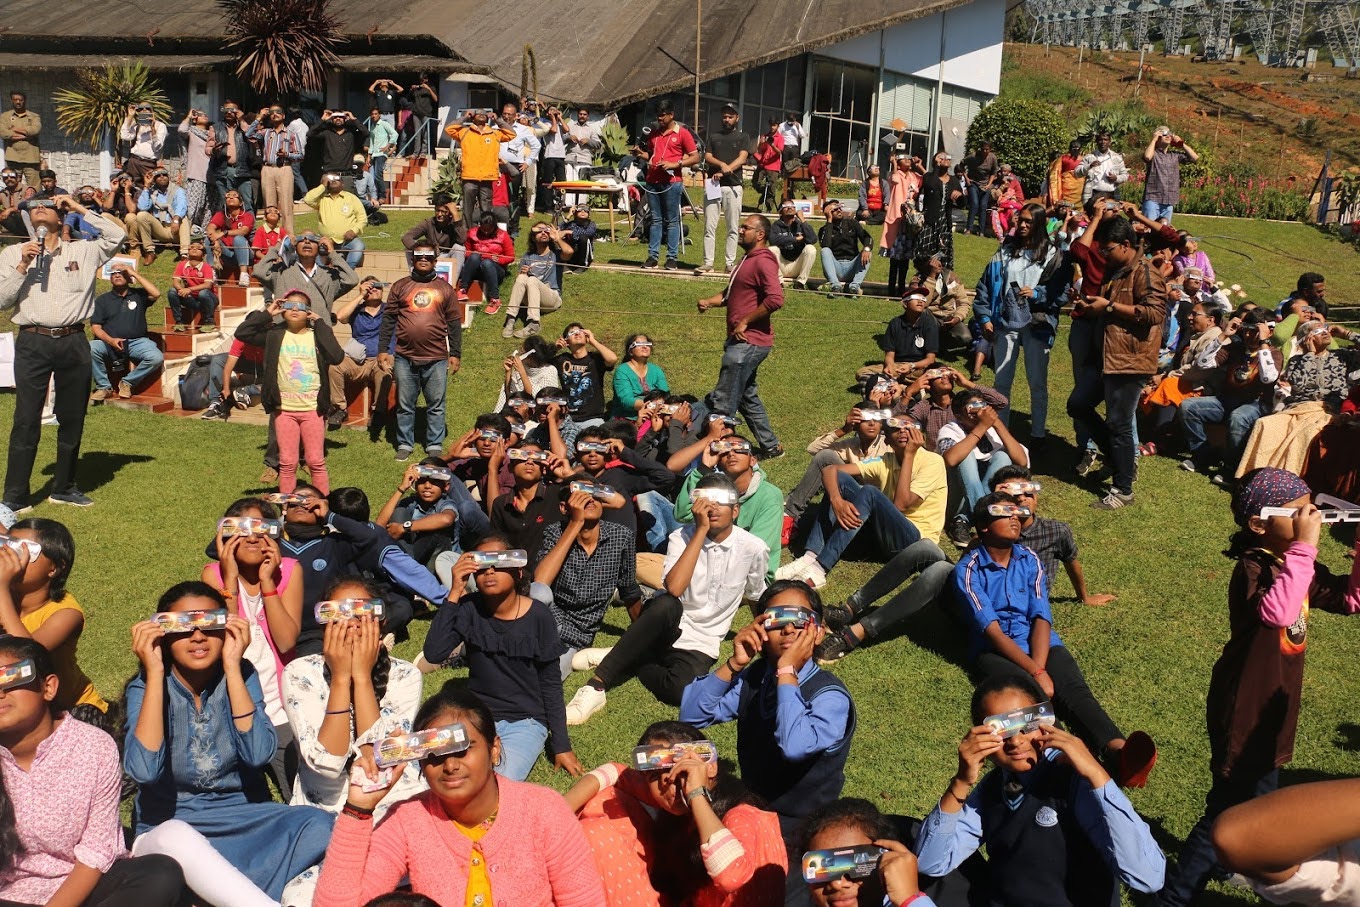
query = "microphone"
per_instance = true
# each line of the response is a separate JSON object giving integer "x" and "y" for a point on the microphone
{"x": 41, "y": 234}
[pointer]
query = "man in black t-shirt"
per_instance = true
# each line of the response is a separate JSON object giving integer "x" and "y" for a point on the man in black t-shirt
{"x": 727, "y": 151}
{"x": 382, "y": 94}
{"x": 581, "y": 369}
{"x": 846, "y": 250}
{"x": 423, "y": 104}
{"x": 120, "y": 332}
{"x": 911, "y": 342}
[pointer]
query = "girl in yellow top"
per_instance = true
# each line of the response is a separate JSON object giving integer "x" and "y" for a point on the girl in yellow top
{"x": 34, "y": 603}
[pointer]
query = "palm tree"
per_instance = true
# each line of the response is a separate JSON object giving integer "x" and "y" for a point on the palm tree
{"x": 282, "y": 47}
{"x": 99, "y": 102}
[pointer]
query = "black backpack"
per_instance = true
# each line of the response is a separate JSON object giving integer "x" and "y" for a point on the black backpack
{"x": 193, "y": 384}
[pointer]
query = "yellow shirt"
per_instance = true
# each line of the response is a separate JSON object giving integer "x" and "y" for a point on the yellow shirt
{"x": 479, "y": 882}
{"x": 337, "y": 214}
{"x": 75, "y": 688}
{"x": 299, "y": 377}
{"x": 929, "y": 481}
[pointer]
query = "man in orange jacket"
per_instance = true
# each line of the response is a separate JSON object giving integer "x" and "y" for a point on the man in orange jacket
{"x": 480, "y": 141}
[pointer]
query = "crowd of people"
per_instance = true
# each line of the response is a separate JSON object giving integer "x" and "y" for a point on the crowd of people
{"x": 277, "y": 752}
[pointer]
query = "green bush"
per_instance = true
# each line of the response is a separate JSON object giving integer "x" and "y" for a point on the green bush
{"x": 1023, "y": 134}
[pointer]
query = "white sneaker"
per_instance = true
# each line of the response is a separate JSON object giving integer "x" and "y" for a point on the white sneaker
{"x": 243, "y": 279}
{"x": 586, "y": 659}
{"x": 804, "y": 569}
{"x": 585, "y": 703}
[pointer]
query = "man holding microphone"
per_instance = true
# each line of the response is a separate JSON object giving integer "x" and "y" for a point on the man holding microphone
{"x": 50, "y": 286}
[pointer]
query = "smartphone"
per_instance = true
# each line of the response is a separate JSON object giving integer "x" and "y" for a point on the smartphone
{"x": 657, "y": 757}
{"x": 189, "y": 621}
{"x": 857, "y": 862}
{"x": 347, "y": 608}
{"x": 435, "y": 741}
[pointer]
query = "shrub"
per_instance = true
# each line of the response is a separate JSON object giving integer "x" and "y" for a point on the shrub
{"x": 1023, "y": 133}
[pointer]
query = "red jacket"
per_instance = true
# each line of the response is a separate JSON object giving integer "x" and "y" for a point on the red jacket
{"x": 500, "y": 248}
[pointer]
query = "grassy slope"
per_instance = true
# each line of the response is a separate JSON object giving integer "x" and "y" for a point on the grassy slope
{"x": 162, "y": 482}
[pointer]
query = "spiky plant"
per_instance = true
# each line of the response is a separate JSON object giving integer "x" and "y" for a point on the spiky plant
{"x": 614, "y": 143}
{"x": 99, "y": 102}
{"x": 449, "y": 179}
{"x": 282, "y": 47}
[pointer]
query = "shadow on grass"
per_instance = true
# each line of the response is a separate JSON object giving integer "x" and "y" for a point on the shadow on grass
{"x": 97, "y": 469}
{"x": 1348, "y": 736}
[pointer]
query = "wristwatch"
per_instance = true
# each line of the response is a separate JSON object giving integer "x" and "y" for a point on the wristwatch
{"x": 406, "y": 525}
{"x": 700, "y": 792}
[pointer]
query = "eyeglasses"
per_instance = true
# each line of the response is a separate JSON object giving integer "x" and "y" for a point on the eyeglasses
{"x": 293, "y": 305}
{"x": 1107, "y": 249}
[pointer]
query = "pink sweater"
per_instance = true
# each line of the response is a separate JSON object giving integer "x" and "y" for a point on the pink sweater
{"x": 536, "y": 854}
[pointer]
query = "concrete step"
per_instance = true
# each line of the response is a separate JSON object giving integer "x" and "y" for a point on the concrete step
{"x": 147, "y": 403}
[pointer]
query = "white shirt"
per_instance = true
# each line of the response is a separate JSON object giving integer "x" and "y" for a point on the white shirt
{"x": 522, "y": 148}
{"x": 323, "y": 777}
{"x": 147, "y": 141}
{"x": 952, "y": 433}
{"x": 261, "y": 655}
{"x": 299, "y": 128}
{"x": 793, "y": 135}
{"x": 725, "y": 573}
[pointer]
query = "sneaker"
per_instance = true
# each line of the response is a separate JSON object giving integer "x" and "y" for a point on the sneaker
{"x": 214, "y": 412}
{"x": 50, "y": 420}
{"x": 72, "y": 497}
{"x": 1087, "y": 464}
{"x": 207, "y": 328}
{"x": 960, "y": 531}
{"x": 832, "y": 294}
{"x": 800, "y": 284}
{"x": 838, "y": 617}
{"x": 124, "y": 390}
{"x": 181, "y": 328}
{"x": 858, "y": 291}
{"x": 434, "y": 451}
{"x": 100, "y": 394}
{"x": 493, "y": 306}
{"x": 587, "y": 659}
{"x": 804, "y": 569}
{"x": 650, "y": 263}
{"x": 672, "y": 265}
{"x": 770, "y": 453}
{"x": 529, "y": 330}
{"x": 835, "y": 647}
{"x": 585, "y": 703}
{"x": 1223, "y": 480}
{"x": 786, "y": 531}
{"x": 335, "y": 419}
{"x": 703, "y": 270}
{"x": 16, "y": 508}
{"x": 1189, "y": 465}
{"x": 404, "y": 454}
{"x": 462, "y": 295}
{"x": 240, "y": 399}
{"x": 1112, "y": 501}
{"x": 269, "y": 476}
{"x": 243, "y": 279}
{"x": 509, "y": 330}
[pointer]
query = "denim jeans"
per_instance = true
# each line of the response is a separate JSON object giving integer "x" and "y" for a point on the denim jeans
{"x": 1116, "y": 434}
{"x": 923, "y": 557}
{"x": 665, "y": 215}
{"x": 1196, "y": 412}
{"x": 1157, "y": 210}
{"x": 414, "y": 379}
{"x": 235, "y": 249}
{"x": 521, "y": 744}
{"x": 976, "y": 475}
{"x": 889, "y": 530}
{"x": 227, "y": 177}
{"x": 1082, "y": 335}
{"x": 1197, "y": 860}
{"x": 1006, "y": 355}
{"x": 737, "y": 391}
{"x": 354, "y": 251}
{"x": 475, "y": 267}
{"x": 977, "y": 207}
{"x": 141, "y": 350}
{"x": 379, "y": 183}
{"x": 247, "y": 376}
{"x": 473, "y": 522}
{"x": 839, "y": 271}
{"x": 299, "y": 184}
{"x": 183, "y": 307}
{"x": 796, "y": 501}
{"x": 662, "y": 511}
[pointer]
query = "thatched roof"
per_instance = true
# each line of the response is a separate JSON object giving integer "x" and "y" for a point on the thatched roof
{"x": 594, "y": 51}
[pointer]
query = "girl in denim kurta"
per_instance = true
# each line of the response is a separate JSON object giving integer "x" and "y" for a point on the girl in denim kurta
{"x": 198, "y": 738}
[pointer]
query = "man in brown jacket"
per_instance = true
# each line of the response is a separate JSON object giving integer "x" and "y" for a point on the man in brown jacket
{"x": 1132, "y": 308}
{"x": 19, "y": 128}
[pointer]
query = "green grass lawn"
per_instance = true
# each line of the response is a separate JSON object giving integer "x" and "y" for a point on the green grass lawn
{"x": 161, "y": 483}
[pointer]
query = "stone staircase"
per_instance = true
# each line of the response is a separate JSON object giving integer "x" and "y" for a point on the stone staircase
{"x": 410, "y": 180}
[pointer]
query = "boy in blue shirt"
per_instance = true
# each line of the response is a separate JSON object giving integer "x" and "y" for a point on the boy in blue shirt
{"x": 1002, "y": 589}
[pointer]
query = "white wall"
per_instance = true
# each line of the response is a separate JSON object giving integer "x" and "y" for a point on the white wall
{"x": 973, "y": 36}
